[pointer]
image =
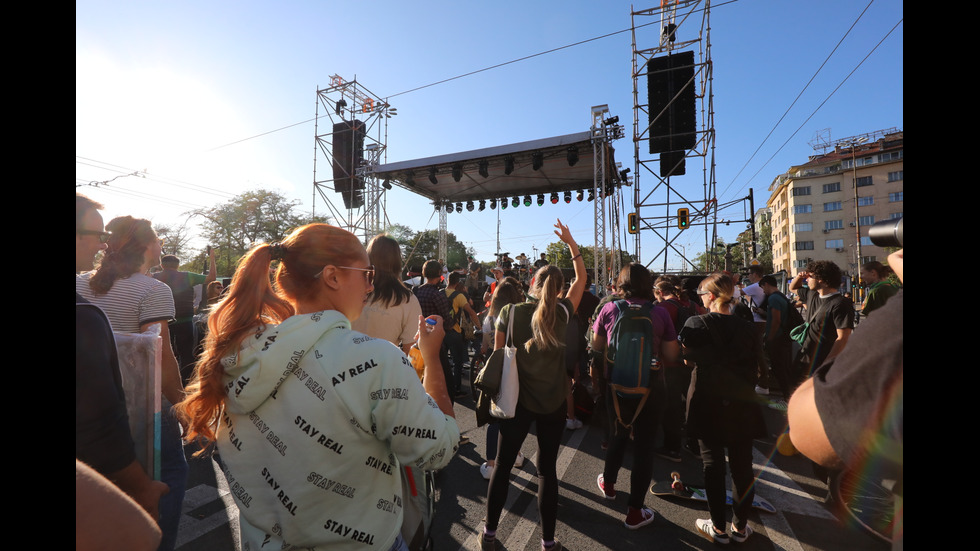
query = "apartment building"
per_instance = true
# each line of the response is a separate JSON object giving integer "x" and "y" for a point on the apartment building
{"x": 822, "y": 209}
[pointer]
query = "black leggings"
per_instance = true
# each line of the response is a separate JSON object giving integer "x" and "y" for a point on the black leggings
{"x": 550, "y": 428}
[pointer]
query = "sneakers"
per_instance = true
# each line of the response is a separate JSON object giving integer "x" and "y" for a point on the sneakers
{"x": 573, "y": 424}
{"x": 486, "y": 471}
{"x": 669, "y": 455}
{"x": 762, "y": 391}
{"x": 707, "y": 529}
{"x": 608, "y": 490}
{"x": 743, "y": 535}
{"x": 519, "y": 462}
{"x": 638, "y": 518}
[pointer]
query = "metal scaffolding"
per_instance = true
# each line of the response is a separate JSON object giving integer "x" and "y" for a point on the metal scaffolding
{"x": 349, "y": 101}
{"x": 682, "y": 26}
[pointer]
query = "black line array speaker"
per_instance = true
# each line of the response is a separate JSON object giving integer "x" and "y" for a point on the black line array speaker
{"x": 670, "y": 89}
{"x": 348, "y": 152}
{"x": 672, "y": 163}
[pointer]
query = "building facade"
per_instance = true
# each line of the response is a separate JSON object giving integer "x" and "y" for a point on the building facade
{"x": 823, "y": 209}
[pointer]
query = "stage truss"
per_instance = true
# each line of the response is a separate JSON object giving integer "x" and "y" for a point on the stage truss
{"x": 657, "y": 205}
{"x": 346, "y": 101}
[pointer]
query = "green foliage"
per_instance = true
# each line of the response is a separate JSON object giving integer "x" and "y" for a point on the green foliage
{"x": 257, "y": 216}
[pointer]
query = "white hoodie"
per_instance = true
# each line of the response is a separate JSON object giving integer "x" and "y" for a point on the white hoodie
{"x": 317, "y": 423}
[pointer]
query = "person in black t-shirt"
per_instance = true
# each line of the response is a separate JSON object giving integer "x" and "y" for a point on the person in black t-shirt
{"x": 829, "y": 314}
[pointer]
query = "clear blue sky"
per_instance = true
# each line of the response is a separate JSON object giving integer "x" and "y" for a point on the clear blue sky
{"x": 160, "y": 85}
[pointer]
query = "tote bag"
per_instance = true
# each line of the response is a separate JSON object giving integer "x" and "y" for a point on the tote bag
{"x": 504, "y": 405}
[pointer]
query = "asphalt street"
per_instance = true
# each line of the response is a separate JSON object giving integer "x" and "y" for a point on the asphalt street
{"x": 586, "y": 521}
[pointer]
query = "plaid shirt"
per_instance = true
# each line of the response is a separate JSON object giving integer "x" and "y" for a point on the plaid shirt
{"x": 433, "y": 301}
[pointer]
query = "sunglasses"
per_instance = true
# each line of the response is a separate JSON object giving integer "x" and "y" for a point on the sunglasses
{"x": 368, "y": 272}
{"x": 103, "y": 235}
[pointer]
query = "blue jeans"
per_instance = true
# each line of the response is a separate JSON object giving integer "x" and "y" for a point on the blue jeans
{"x": 173, "y": 473}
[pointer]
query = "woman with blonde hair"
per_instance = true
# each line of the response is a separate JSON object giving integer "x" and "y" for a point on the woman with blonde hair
{"x": 538, "y": 333}
{"x": 135, "y": 302}
{"x": 722, "y": 407}
{"x": 392, "y": 311}
{"x": 313, "y": 420}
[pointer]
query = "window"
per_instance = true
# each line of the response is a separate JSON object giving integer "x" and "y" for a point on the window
{"x": 802, "y": 209}
{"x": 803, "y": 246}
{"x": 895, "y": 216}
{"x": 801, "y": 263}
{"x": 865, "y": 161}
{"x": 866, "y": 201}
{"x": 833, "y": 225}
{"x": 830, "y": 188}
{"x": 835, "y": 243}
{"x": 808, "y": 226}
{"x": 835, "y": 205}
{"x": 864, "y": 181}
{"x": 896, "y": 197}
{"x": 866, "y": 259}
{"x": 805, "y": 190}
{"x": 866, "y": 241}
{"x": 890, "y": 156}
{"x": 866, "y": 220}
{"x": 896, "y": 176}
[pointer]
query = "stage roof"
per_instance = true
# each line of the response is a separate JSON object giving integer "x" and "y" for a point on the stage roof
{"x": 554, "y": 174}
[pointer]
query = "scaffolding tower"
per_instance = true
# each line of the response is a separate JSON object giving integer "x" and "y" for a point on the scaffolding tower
{"x": 351, "y": 128}
{"x": 676, "y": 27}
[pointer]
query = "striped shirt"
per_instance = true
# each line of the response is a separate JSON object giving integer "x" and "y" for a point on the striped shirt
{"x": 131, "y": 302}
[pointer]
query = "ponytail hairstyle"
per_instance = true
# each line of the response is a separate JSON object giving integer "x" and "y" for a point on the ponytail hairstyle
{"x": 722, "y": 286}
{"x": 251, "y": 303}
{"x": 548, "y": 282}
{"x": 125, "y": 251}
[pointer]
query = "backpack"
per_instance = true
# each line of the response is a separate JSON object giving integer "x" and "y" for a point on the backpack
{"x": 683, "y": 312}
{"x": 630, "y": 354}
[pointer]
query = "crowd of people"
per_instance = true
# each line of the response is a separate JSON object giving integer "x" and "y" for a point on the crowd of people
{"x": 302, "y": 390}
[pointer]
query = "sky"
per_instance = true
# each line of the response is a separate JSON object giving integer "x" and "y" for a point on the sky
{"x": 205, "y": 100}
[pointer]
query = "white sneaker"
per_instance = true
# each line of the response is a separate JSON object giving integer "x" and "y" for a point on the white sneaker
{"x": 743, "y": 535}
{"x": 519, "y": 462}
{"x": 573, "y": 424}
{"x": 486, "y": 471}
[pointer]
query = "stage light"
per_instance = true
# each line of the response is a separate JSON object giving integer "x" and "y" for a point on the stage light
{"x": 527, "y": 200}
{"x": 508, "y": 165}
{"x": 459, "y": 207}
{"x": 457, "y": 171}
{"x": 611, "y": 120}
{"x": 432, "y": 177}
{"x": 580, "y": 195}
{"x": 449, "y": 208}
{"x": 386, "y": 184}
{"x": 483, "y": 205}
{"x": 340, "y": 106}
{"x": 622, "y": 175}
{"x": 568, "y": 197}
{"x": 503, "y": 204}
{"x": 537, "y": 160}
{"x": 469, "y": 206}
{"x": 554, "y": 198}
{"x": 591, "y": 195}
{"x": 515, "y": 202}
{"x": 493, "y": 204}
{"x": 572, "y": 156}
{"x": 485, "y": 169}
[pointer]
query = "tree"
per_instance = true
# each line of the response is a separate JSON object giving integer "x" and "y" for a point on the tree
{"x": 176, "y": 239}
{"x": 233, "y": 227}
{"x": 424, "y": 246}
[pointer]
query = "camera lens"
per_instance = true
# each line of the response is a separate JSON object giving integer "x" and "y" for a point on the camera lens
{"x": 887, "y": 233}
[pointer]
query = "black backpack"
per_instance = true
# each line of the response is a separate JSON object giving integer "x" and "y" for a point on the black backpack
{"x": 683, "y": 312}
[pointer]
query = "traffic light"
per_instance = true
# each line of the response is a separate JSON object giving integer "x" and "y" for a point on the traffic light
{"x": 683, "y": 221}
{"x": 633, "y": 222}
